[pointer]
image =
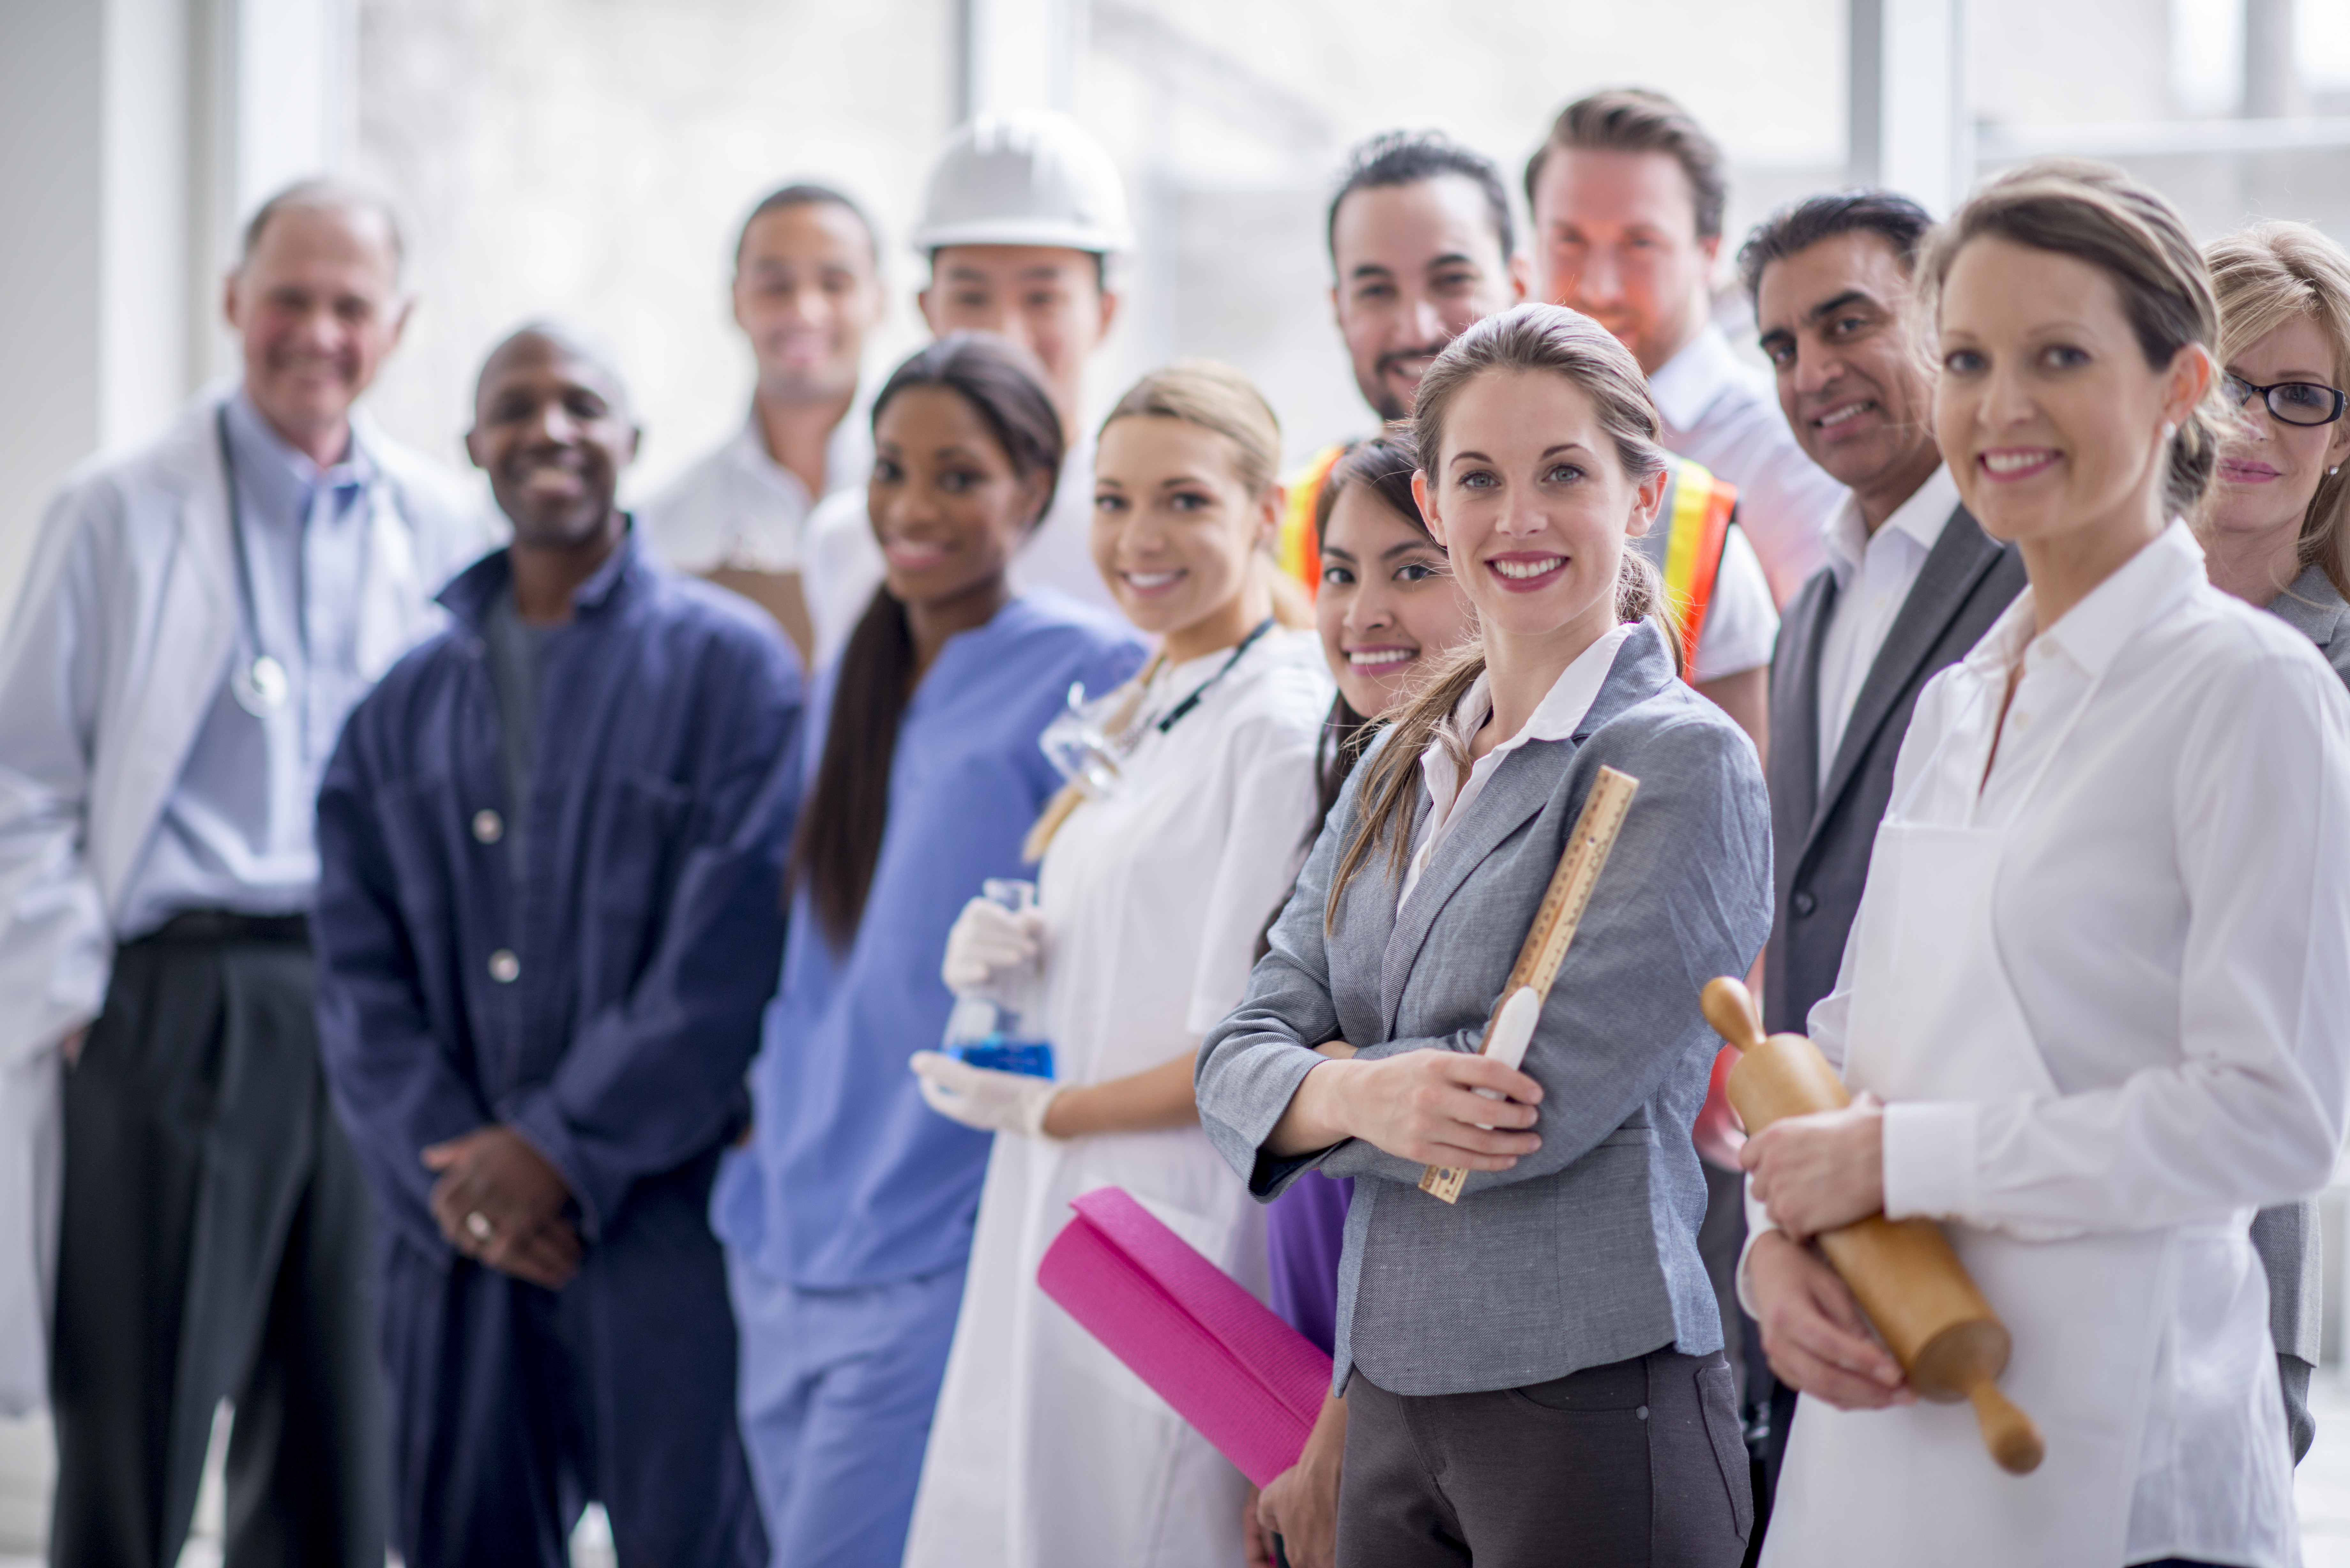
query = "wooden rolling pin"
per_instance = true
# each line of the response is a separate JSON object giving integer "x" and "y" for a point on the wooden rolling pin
{"x": 1903, "y": 1274}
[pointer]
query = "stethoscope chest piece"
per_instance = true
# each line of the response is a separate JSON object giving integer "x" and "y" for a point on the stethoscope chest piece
{"x": 260, "y": 688}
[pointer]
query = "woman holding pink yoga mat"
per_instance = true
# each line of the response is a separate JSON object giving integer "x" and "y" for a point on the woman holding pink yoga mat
{"x": 1534, "y": 1372}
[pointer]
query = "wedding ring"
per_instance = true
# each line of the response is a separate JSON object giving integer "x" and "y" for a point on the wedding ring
{"x": 478, "y": 1226}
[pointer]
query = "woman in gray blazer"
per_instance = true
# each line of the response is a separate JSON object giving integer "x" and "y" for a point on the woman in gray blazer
{"x": 2275, "y": 531}
{"x": 1535, "y": 1373}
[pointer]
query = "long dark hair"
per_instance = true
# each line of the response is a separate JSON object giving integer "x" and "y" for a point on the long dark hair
{"x": 839, "y": 838}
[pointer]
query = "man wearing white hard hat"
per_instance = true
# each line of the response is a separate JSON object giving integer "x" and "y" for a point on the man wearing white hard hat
{"x": 1022, "y": 214}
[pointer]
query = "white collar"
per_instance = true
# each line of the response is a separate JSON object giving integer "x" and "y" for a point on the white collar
{"x": 2093, "y": 633}
{"x": 1563, "y": 706}
{"x": 1687, "y": 384}
{"x": 1921, "y": 518}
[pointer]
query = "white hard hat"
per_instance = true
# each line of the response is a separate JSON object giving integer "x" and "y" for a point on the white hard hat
{"x": 1024, "y": 177}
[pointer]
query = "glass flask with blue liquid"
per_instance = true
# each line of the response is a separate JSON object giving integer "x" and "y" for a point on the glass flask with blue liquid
{"x": 989, "y": 1027}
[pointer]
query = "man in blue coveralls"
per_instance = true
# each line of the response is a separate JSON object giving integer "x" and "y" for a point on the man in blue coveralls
{"x": 551, "y": 848}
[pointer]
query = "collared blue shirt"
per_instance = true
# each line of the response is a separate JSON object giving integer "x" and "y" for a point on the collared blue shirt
{"x": 851, "y": 1179}
{"x": 235, "y": 833}
{"x": 603, "y": 996}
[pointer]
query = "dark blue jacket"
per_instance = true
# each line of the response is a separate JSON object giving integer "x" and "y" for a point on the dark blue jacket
{"x": 604, "y": 1001}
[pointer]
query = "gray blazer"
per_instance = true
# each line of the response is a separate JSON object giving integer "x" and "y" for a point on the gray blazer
{"x": 1585, "y": 1252}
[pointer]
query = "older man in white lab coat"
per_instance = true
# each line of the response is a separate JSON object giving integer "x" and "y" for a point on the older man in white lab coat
{"x": 199, "y": 617}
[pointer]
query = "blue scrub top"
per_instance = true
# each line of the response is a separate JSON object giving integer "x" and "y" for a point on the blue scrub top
{"x": 850, "y": 1179}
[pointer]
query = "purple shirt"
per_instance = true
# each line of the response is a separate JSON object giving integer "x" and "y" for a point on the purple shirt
{"x": 1304, "y": 1231}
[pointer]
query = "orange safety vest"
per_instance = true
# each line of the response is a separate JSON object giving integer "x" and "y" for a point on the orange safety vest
{"x": 1298, "y": 551}
{"x": 1686, "y": 544}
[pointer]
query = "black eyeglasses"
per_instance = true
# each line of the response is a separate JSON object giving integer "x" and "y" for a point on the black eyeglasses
{"x": 2294, "y": 402}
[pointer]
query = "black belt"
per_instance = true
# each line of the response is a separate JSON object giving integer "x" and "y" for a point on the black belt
{"x": 227, "y": 926}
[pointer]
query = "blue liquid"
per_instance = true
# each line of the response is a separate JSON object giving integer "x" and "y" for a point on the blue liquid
{"x": 997, "y": 1054}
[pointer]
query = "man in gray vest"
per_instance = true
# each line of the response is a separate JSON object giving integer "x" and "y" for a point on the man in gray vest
{"x": 199, "y": 617}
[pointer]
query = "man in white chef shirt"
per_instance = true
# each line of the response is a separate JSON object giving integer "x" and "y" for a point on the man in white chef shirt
{"x": 1020, "y": 219}
{"x": 198, "y": 617}
{"x": 807, "y": 293}
{"x": 1628, "y": 193}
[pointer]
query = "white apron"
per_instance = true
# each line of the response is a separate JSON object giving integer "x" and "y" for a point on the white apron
{"x": 1934, "y": 1018}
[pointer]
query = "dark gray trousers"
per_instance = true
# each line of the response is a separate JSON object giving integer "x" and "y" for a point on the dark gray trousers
{"x": 214, "y": 1245}
{"x": 1639, "y": 1464}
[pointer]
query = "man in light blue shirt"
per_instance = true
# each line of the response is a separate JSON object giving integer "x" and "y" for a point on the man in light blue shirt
{"x": 222, "y": 843}
{"x": 199, "y": 617}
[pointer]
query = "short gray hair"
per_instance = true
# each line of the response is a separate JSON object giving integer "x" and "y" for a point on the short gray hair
{"x": 338, "y": 197}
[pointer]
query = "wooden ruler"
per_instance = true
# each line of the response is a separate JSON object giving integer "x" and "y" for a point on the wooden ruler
{"x": 1563, "y": 901}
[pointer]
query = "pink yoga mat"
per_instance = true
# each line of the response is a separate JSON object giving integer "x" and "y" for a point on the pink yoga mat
{"x": 1248, "y": 1381}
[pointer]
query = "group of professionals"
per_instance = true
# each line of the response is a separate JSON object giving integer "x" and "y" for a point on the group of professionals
{"x": 477, "y": 1012}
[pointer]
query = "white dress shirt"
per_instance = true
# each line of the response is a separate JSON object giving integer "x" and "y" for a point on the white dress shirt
{"x": 1450, "y": 794}
{"x": 1874, "y": 575}
{"x": 1726, "y": 416}
{"x": 739, "y": 509}
{"x": 2172, "y": 915}
{"x": 843, "y": 564}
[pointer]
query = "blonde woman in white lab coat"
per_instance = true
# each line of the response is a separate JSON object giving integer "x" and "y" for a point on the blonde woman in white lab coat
{"x": 1047, "y": 1452}
{"x": 2096, "y": 978}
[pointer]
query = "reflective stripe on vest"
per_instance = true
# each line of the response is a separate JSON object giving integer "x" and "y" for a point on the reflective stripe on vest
{"x": 1686, "y": 547}
{"x": 1299, "y": 552}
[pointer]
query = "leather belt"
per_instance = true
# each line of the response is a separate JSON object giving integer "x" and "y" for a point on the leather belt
{"x": 228, "y": 926}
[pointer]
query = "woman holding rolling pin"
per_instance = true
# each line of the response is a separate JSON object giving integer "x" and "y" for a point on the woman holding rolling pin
{"x": 2095, "y": 991}
{"x": 1533, "y": 1374}
{"x": 2273, "y": 535}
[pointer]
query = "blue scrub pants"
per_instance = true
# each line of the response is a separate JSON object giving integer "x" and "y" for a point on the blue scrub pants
{"x": 515, "y": 1406}
{"x": 836, "y": 1393}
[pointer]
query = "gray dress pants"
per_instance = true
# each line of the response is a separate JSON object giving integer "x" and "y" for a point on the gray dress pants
{"x": 1637, "y": 1464}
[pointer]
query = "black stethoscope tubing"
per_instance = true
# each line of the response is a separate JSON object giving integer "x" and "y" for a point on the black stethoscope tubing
{"x": 1200, "y": 691}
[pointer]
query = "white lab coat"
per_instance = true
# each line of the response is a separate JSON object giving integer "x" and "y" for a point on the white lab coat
{"x": 118, "y": 646}
{"x": 2101, "y": 990}
{"x": 1046, "y": 1452}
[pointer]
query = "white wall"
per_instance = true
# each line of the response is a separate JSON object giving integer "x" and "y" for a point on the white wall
{"x": 592, "y": 162}
{"x": 133, "y": 135}
{"x": 52, "y": 74}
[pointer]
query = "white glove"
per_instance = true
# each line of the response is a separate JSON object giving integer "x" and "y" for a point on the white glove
{"x": 982, "y": 1098}
{"x": 987, "y": 939}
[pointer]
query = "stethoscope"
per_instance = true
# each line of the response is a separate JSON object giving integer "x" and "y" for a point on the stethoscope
{"x": 260, "y": 684}
{"x": 1198, "y": 692}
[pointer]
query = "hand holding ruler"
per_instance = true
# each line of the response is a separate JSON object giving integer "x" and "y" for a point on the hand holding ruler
{"x": 1512, "y": 1026}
